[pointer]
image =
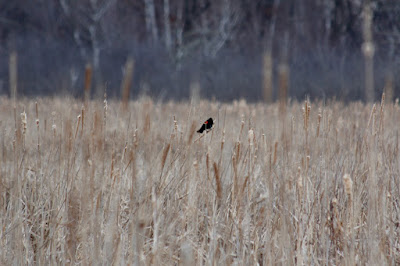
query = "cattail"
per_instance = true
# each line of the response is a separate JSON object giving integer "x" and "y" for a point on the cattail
{"x": 105, "y": 114}
{"x": 37, "y": 110}
{"x": 83, "y": 117}
{"x": 38, "y": 139}
{"x": 319, "y": 121}
{"x": 306, "y": 114}
{"x": 23, "y": 122}
{"x": 77, "y": 125}
{"x": 241, "y": 127}
{"x": 208, "y": 164}
{"x": 334, "y": 204}
{"x": 218, "y": 181}
{"x": 251, "y": 137}
{"x": 135, "y": 138}
{"x": 299, "y": 183}
{"x": 175, "y": 125}
{"x": 105, "y": 105}
{"x": 348, "y": 185}
{"x": 235, "y": 176}
{"x": 275, "y": 153}
{"x": 245, "y": 183}
{"x": 54, "y": 128}
{"x": 238, "y": 149}
{"x": 164, "y": 156}
{"x": 223, "y": 140}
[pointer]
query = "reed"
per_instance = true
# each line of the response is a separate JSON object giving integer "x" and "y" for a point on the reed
{"x": 101, "y": 187}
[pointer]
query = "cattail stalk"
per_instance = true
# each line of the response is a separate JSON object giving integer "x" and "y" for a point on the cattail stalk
{"x": 77, "y": 125}
{"x": 275, "y": 153}
{"x": 23, "y": 127}
{"x": 348, "y": 188}
{"x": 218, "y": 182}
{"x": 319, "y": 122}
{"x": 83, "y": 118}
{"x": 164, "y": 156}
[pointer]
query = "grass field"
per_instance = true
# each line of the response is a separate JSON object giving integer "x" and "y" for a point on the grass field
{"x": 97, "y": 184}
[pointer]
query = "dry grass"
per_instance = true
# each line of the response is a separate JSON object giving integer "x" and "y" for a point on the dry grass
{"x": 318, "y": 184}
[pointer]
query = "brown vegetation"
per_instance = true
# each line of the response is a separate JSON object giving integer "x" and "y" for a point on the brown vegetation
{"x": 94, "y": 184}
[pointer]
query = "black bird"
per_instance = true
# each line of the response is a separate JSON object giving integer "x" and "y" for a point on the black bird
{"x": 206, "y": 126}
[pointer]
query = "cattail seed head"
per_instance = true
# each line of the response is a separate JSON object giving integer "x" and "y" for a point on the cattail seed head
{"x": 23, "y": 122}
{"x": 251, "y": 137}
{"x": 165, "y": 154}
{"x": 105, "y": 105}
{"x": 348, "y": 184}
{"x": 334, "y": 202}
{"x": 175, "y": 125}
{"x": 300, "y": 182}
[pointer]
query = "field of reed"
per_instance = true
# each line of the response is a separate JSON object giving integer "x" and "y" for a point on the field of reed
{"x": 107, "y": 183}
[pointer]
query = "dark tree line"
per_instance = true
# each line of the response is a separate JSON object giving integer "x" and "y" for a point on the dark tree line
{"x": 218, "y": 43}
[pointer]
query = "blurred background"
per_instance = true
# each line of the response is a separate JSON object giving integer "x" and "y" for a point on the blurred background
{"x": 222, "y": 49}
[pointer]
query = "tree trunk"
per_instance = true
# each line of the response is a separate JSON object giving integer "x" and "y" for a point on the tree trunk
{"x": 179, "y": 34}
{"x": 167, "y": 25}
{"x": 151, "y": 24}
{"x": 368, "y": 51}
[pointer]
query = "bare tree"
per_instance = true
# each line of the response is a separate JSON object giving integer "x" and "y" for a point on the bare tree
{"x": 179, "y": 33}
{"x": 167, "y": 25}
{"x": 87, "y": 17}
{"x": 230, "y": 17}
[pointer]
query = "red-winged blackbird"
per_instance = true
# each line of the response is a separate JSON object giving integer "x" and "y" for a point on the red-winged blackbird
{"x": 206, "y": 126}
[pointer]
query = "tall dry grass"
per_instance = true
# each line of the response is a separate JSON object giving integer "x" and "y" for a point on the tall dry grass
{"x": 92, "y": 184}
